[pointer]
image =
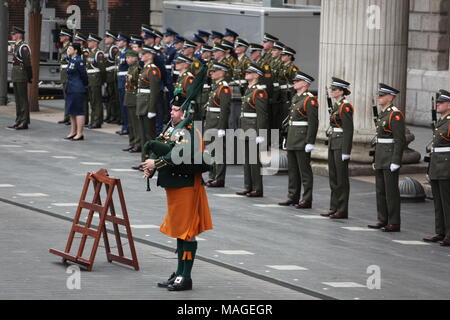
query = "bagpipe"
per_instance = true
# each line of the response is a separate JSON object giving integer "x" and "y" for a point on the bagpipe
{"x": 162, "y": 145}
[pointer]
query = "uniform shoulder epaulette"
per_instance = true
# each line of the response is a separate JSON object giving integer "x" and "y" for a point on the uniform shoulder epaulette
{"x": 448, "y": 117}
{"x": 394, "y": 108}
{"x": 345, "y": 101}
{"x": 153, "y": 65}
{"x": 310, "y": 94}
{"x": 261, "y": 86}
{"x": 189, "y": 74}
{"x": 224, "y": 83}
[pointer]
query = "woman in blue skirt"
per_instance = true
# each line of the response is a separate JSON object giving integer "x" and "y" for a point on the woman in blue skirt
{"x": 76, "y": 89}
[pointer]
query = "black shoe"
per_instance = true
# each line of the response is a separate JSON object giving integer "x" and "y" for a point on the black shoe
{"x": 165, "y": 284}
{"x": 138, "y": 167}
{"x": 22, "y": 127}
{"x": 436, "y": 238}
{"x": 15, "y": 125}
{"x": 94, "y": 127}
{"x": 63, "y": 121}
{"x": 377, "y": 226}
{"x": 70, "y": 137}
{"x": 134, "y": 150}
{"x": 122, "y": 132}
{"x": 180, "y": 284}
{"x": 68, "y": 123}
{"x": 127, "y": 149}
{"x": 79, "y": 139}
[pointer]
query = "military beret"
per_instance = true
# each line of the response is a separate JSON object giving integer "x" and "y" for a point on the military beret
{"x": 203, "y": 33}
{"x": 123, "y": 37}
{"x": 255, "y": 47}
{"x": 170, "y": 32}
{"x": 269, "y": 37}
{"x": 79, "y": 36}
{"x": 216, "y": 34}
{"x": 94, "y": 37}
{"x": 253, "y": 68}
{"x": 289, "y": 51}
{"x": 178, "y": 100}
{"x": 444, "y": 96}
{"x": 111, "y": 34}
{"x": 384, "y": 89}
{"x": 230, "y": 33}
{"x": 220, "y": 66}
{"x": 65, "y": 32}
{"x": 183, "y": 58}
{"x": 132, "y": 53}
{"x": 241, "y": 43}
{"x": 301, "y": 76}
{"x": 17, "y": 30}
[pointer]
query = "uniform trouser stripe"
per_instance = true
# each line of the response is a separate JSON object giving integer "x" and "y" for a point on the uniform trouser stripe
{"x": 252, "y": 172}
{"x": 339, "y": 181}
{"x": 133, "y": 130}
{"x": 147, "y": 129}
{"x": 300, "y": 173}
{"x": 388, "y": 196}
{"x": 441, "y": 190}
{"x": 22, "y": 106}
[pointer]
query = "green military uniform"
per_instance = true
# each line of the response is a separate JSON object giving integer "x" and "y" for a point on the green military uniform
{"x": 439, "y": 172}
{"x": 21, "y": 74}
{"x": 147, "y": 102}
{"x": 96, "y": 75}
{"x": 340, "y": 143}
{"x": 391, "y": 142}
{"x": 241, "y": 65}
{"x": 183, "y": 83}
{"x": 112, "y": 106}
{"x": 231, "y": 62}
{"x": 86, "y": 101}
{"x": 63, "y": 63}
{"x": 216, "y": 118}
{"x": 195, "y": 66}
{"x": 302, "y": 131}
{"x": 285, "y": 76}
{"x": 203, "y": 98}
{"x": 254, "y": 115}
{"x": 130, "y": 101}
{"x": 276, "y": 105}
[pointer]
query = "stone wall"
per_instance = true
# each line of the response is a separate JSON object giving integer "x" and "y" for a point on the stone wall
{"x": 428, "y": 57}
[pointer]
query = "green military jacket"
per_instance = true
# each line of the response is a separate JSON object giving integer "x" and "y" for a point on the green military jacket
{"x": 131, "y": 85}
{"x": 231, "y": 62}
{"x": 267, "y": 78}
{"x": 267, "y": 57}
{"x": 172, "y": 174}
{"x": 195, "y": 66}
{"x": 63, "y": 61}
{"x": 391, "y": 140}
{"x": 183, "y": 83}
{"x": 218, "y": 106}
{"x": 254, "y": 110}
{"x": 202, "y": 98}
{"x": 95, "y": 67}
{"x": 303, "y": 122}
{"x": 341, "y": 122}
{"x": 147, "y": 96}
{"x": 21, "y": 69}
{"x": 111, "y": 51}
{"x": 275, "y": 66}
{"x": 285, "y": 76}
{"x": 440, "y": 157}
{"x": 239, "y": 71}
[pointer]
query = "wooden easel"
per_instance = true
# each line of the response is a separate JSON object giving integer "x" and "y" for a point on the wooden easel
{"x": 99, "y": 179}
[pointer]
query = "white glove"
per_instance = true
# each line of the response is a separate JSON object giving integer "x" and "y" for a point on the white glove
{"x": 165, "y": 89}
{"x": 345, "y": 157}
{"x": 151, "y": 115}
{"x": 309, "y": 148}
{"x": 259, "y": 140}
{"x": 221, "y": 133}
{"x": 394, "y": 167}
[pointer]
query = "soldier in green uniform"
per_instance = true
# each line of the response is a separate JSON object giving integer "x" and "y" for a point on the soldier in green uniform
{"x": 242, "y": 64}
{"x": 275, "y": 67}
{"x": 111, "y": 52}
{"x": 21, "y": 75}
{"x": 216, "y": 37}
{"x": 439, "y": 171}
{"x": 65, "y": 36}
{"x": 216, "y": 121}
{"x": 147, "y": 97}
{"x": 254, "y": 116}
{"x": 230, "y": 35}
{"x": 219, "y": 53}
{"x": 302, "y": 132}
{"x": 268, "y": 43}
{"x": 130, "y": 101}
{"x": 202, "y": 99}
{"x": 185, "y": 78}
{"x": 390, "y": 143}
{"x": 188, "y": 51}
{"x": 81, "y": 39}
{"x": 285, "y": 76}
{"x": 230, "y": 60}
{"x": 95, "y": 68}
{"x": 339, "y": 149}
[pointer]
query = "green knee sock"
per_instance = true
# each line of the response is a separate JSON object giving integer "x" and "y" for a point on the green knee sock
{"x": 190, "y": 248}
{"x": 180, "y": 252}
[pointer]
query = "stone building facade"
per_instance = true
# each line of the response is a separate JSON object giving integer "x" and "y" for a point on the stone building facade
{"x": 428, "y": 50}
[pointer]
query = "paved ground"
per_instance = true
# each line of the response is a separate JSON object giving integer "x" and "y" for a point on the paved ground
{"x": 283, "y": 245}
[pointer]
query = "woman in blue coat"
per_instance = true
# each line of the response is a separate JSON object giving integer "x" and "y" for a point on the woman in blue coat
{"x": 76, "y": 89}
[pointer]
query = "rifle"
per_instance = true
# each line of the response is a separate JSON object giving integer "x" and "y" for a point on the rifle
{"x": 433, "y": 126}
{"x": 330, "y": 112}
{"x": 375, "y": 120}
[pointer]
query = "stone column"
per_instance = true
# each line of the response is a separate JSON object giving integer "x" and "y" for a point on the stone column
{"x": 364, "y": 42}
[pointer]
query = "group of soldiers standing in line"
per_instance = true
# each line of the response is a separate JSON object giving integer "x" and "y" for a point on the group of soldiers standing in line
{"x": 144, "y": 73}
